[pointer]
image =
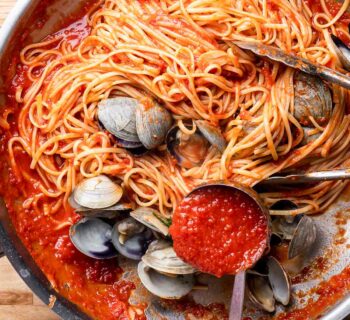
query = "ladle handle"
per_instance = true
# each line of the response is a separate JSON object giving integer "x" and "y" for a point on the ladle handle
{"x": 327, "y": 175}
{"x": 236, "y": 308}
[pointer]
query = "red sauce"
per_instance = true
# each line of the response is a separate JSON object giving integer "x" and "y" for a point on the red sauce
{"x": 329, "y": 293}
{"x": 94, "y": 285}
{"x": 219, "y": 230}
{"x": 333, "y": 7}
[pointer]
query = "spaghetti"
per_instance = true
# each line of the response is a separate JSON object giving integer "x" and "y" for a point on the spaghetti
{"x": 181, "y": 53}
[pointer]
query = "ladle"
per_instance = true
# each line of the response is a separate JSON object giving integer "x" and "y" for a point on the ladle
{"x": 295, "y": 62}
{"x": 239, "y": 282}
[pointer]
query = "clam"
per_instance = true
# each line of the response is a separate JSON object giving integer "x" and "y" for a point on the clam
{"x": 212, "y": 134}
{"x": 303, "y": 239}
{"x": 108, "y": 213}
{"x": 309, "y": 138}
{"x": 342, "y": 51}
{"x": 191, "y": 150}
{"x": 260, "y": 293}
{"x": 161, "y": 256}
{"x": 98, "y": 197}
{"x": 152, "y": 124}
{"x": 150, "y": 218}
{"x": 312, "y": 98}
{"x": 300, "y": 230}
{"x": 188, "y": 150}
{"x": 267, "y": 288}
{"x": 279, "y": 281}
{"x": 131, "y": 238}
{"x": 92, "y": 237}
{"x": 117, "y": 116}
{"x": 137, "y": 126}
{"x": 163, "y": 273}
{"x": 97, "y": 193}
{"x": 164, "y": 286}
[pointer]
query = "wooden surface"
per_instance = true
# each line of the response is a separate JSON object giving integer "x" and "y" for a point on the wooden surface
{"x": 17, "y": 302}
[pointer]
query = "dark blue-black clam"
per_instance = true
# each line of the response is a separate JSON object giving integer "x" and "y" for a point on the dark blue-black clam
{"x": 93, "y": 237}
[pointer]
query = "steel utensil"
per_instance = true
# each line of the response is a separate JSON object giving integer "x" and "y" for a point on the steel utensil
{"x": 326, "y": 175}
{"x": 295, "y": 62}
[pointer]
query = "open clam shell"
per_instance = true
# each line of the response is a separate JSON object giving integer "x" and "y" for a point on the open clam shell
{"x": 303, "y": 238}
{"x": 266, "y": 287}
{"x": 212, "y": 134}
{"x": 164, "y": 286}
{"x": 191, "y": 150}
{"x": 149, "y": 217}
{"x": 92, "y": 237}
{"x": 188, "y": 150}
{"x": 108, "y": 213}
{"x": 279, "y": 281}
{"x": 161, "y": 256}
{"x": 97, "y": 193}
{"x": 342, "y": 51}
{"x": 260, "y": 293}
{"x": 152, "y": 123}
{"x": 131, "y": 239}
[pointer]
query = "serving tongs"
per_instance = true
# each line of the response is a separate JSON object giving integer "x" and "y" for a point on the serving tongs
{"x": 308, "y": 177}
{"x": 295, "y": 62}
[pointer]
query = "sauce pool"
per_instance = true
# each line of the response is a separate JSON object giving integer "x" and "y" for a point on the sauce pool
{"x": 219, "y": 230}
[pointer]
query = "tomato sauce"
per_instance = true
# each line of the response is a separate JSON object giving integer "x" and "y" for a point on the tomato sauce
{"x": 95, "y": 286}
{"x": 333, "y": 7}
{"x": 219, "y": 230}
{"x": 329, "y": 293}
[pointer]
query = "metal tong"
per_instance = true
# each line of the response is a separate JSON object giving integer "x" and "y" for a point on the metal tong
{"x": 295, "y": 62}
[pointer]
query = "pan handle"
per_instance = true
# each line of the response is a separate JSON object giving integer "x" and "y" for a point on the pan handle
{"x": 2, "y": 254}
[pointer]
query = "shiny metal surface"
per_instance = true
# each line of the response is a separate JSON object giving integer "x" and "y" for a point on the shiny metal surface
{"x": 219, "y": 290}
{"x": 296, "y": 62}
{"x": 319, "y": 176}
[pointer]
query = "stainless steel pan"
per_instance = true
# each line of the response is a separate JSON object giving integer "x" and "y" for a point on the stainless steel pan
{"x": 19, "y": 19}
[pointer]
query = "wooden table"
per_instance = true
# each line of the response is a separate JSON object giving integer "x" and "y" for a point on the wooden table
{"x": 17, "y": 302}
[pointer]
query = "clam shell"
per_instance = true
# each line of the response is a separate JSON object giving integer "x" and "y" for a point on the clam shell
{"x": 303, "y": 238}
{"x": 136, "y": 240}
{"x": 97, "y": 192}
{"x": 162, "y": 257}
{"x": 189, "y": 151}
{"x": 118, "y": 116}
{"x": 152, "y": 124}
{"x": 149, "y": 218}
{"x": 109, "y": 212}
{"x": 92, "y": 237}
{"x": 212, "y": 134}
{"x": 279, "y": 281}
{"x": 308, "y": 139}
{"x": 163, "y": 286}
{"x": 260, "y": 292}
{"x": 342, "y": 51}
{"x": 312, "y": 97}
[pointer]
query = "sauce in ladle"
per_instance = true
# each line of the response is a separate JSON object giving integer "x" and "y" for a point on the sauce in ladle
{"x": 220, "y": 229}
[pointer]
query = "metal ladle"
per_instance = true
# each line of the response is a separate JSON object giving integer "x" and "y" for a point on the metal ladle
{"x": 237, "y": 299}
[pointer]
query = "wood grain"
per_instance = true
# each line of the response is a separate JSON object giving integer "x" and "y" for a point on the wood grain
{"x": 17, "y": 301}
